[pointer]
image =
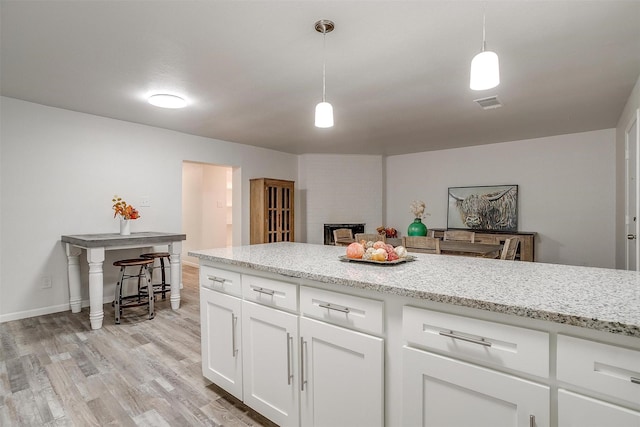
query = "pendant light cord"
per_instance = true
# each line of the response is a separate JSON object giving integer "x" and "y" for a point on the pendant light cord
{"x": 324, "y": 60}
{"x": 484, "y": 38}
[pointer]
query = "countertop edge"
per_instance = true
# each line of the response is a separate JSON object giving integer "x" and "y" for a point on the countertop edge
{"x": 561, "y": 318}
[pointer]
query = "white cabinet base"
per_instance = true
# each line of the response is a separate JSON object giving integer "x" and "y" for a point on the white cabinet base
{"x": 443, "y": 392}
{"x": 220, "y": 339}
{"x": 270, "y": 366}
{"x": 342, "y": 373}
{"x": 575, "y": 410}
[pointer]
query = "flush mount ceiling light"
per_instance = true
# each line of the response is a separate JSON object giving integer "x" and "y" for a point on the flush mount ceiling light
{"x": 165, "y": 100}
{"x": 324, "y": 110}
{"x": 485, "y": 69}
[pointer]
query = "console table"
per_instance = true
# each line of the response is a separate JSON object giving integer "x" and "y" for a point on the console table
{"x": 96, "y": 245}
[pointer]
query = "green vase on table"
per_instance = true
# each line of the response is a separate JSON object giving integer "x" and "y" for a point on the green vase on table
{"x": 417, "y": 228}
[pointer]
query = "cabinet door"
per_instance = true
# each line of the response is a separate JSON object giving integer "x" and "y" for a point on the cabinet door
{"x": 342, "y": 376}
{"x": 279, "y": 202}
{"x": 575, "y": 410}
{"x": 270, "y": 343}
{"x": 444, "y": 392}
{"x": 220, "y": 337}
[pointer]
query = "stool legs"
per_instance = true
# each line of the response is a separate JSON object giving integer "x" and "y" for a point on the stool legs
{"x": 150, "y": 294}
{"x": 163, "y": 285}
{"x": 118, "y": 298}
{"x": 164, "y": 280}
{"x": 144, "y": 272}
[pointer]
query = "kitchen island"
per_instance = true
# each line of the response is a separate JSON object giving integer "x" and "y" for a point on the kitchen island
{"x": 554, "y": 342}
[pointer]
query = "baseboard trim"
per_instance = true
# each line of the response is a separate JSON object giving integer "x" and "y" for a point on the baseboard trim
{"x": 45, "y": 310}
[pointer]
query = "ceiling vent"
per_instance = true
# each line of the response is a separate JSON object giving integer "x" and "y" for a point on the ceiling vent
{"x": 489, "y": 103}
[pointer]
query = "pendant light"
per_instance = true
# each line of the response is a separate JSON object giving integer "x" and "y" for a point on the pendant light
{"x": 324, "y": 110}
{"x": 485, "y": 69}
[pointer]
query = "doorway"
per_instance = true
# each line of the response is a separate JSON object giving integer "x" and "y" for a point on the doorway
{"x": 632, "y": 139}
{"x": 207, "y": 207}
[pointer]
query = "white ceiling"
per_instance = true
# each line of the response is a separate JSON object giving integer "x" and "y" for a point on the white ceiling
{"x": 397, "y": 71}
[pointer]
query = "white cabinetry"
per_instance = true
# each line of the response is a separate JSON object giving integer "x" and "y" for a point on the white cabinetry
{"x": 439, "y": 392}
{"x": 270, "y": 345}
{"x": 442, "y": 391}
{"x": 341, "y": 370}
{"x": 575, "y": 410}
{"x": 597, "y": 368}
{"x": 342, "y": 376}
{"x": 294, "y": 370}
{"x": 220, "y": 339}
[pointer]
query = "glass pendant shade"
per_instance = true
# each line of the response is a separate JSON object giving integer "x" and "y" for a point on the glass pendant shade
{"x": 485, "y": 71}
{"x": 324, "y": 115}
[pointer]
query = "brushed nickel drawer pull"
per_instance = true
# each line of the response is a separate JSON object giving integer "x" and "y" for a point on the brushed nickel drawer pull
{"x": 289, "y": 342}
{"x": 635, "y": 380}
{"x": 264, "y": 291}
{"x": 453, "y": 335}
{"x": 234, "y": 320}
{"x": 216, "y": 279}
{"x": 303, "y": 381}
{"x": 335, "y": 307}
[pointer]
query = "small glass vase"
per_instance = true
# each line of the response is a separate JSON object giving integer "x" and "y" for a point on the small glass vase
{"x": 125, "y": 227}
{"x": 417, "y": 228}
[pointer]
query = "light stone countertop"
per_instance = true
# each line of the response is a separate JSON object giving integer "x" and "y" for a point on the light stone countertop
{"x": 595, "y": 298}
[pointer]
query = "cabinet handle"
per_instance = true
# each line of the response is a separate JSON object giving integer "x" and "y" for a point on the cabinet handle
{"x": 216, "y": 279}
{"x": 234, "y": 320}
{"x": 303, "y": 345}
{"x": 532, "y": 421}
{"x": 635, "y": 380}
{"x": 264, "y": 291}
{"x": 289, "y": 342}
{"x": 480, "y": 341}
{"x": 335, "y": 307}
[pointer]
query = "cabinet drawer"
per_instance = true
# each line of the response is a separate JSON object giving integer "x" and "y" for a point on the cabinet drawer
{"x": 270, "y": 292}
{"x": 493, "y": 343}
{"x": 345, "y": 310}
{"x": 601, "y": 367}
{"x": 220, "y": 280}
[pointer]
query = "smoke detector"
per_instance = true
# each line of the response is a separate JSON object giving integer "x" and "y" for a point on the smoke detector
{"x": 489, "y": 103}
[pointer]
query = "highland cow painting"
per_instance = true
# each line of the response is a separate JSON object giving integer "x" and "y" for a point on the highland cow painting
{"x": 489, "y": 208}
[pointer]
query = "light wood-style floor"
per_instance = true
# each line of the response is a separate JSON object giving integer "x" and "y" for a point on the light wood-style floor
{"x": 56, "y": 371}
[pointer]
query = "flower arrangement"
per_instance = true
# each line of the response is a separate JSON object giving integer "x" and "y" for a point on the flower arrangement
{"x": 120, "y": 207}
{"x": 417, "y": 208}
{"x": 387, "y": 231}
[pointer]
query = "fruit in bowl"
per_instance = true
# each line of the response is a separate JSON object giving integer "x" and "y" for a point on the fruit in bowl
{"x": 377, "y": 252}
{"x": 355, "y": 250}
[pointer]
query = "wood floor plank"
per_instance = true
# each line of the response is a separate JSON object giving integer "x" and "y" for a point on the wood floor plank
{"x": 56, "y": 371}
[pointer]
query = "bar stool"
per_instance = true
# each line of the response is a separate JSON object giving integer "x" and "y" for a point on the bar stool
{"x": 159, "y": 288}
{"x": 142, "y": 297}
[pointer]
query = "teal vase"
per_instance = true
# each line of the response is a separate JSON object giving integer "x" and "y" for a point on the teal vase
{"x": 417, "y": 228}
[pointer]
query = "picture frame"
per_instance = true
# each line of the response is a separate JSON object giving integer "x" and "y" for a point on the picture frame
{"x": 483, "y": 208}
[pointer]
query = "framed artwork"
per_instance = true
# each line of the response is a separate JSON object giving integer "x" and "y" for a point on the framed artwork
{"x": 492, "y": 207}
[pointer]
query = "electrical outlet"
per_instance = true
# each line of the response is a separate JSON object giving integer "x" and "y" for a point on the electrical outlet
{"x": 145, "y": 202}
{"x": 47, "y": 282}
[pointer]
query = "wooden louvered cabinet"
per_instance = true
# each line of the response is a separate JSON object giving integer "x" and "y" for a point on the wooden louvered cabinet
{"x": 272, "y": 212}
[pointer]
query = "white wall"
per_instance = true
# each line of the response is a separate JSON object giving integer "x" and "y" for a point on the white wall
{"x": 633, "y": 103}
{"x": 566, "y": 189}
{"x": 338, "y": 189}
{"x": 59, "y": 172}
{"x": 204, "y": 208}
